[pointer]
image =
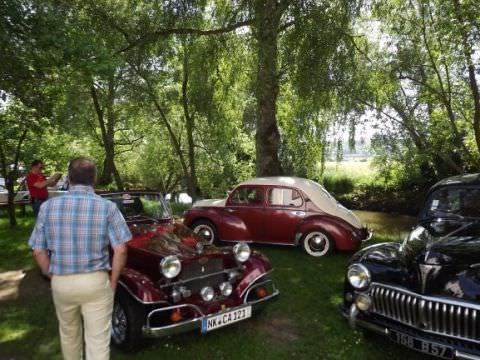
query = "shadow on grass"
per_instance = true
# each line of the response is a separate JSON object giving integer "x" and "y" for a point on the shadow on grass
{"x": 303, "y": 323}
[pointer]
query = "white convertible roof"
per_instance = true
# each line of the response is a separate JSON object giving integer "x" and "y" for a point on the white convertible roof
{"x": 313, "y": 190}
{"x": 297, "y": 182}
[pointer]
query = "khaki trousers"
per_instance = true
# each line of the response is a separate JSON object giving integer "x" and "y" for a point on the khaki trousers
{"x": 88, "y": 296}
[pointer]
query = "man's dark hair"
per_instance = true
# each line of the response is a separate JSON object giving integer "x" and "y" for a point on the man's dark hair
{"x": 36, "y": 162}
{"x": 82, "y": 171}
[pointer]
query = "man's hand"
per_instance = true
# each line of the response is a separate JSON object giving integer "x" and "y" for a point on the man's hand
{"x": 43, "y": 261}
{"x": 118, "y": 263}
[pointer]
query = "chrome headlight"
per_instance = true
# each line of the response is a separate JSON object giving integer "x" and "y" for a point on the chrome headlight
{"x": 242, "y": 252}
{"x": 207, "y": 293}
{"x": 170, "y": 266}
{"x": 363, "y": 302}
{"x": 226, "y": 288}
{"x": 358, "y": 276}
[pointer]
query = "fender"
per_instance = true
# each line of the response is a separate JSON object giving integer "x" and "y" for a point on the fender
{"x": 211, "y": 214}
{"x": 341, "y": 232}
{"x": 141, "y": 287}
{"x": 255, "y": 268}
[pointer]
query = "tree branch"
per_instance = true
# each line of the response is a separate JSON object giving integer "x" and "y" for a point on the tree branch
{"x": 161, "y": 33}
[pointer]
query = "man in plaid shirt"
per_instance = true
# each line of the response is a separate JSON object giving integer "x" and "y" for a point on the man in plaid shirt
{"x": 77, "y": 229}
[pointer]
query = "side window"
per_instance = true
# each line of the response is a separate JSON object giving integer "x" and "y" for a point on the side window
{"x": 284, "y": 197}
{"x": 247, "y": 196}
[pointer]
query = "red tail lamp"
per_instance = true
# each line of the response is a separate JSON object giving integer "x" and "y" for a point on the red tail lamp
{"x": 176, "y": 316}
{"x": 261, "y": 292}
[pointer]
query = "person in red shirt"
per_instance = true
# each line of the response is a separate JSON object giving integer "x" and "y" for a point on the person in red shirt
{"x": 37, "y": 185}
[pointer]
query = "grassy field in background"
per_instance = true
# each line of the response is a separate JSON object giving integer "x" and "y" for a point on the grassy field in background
{"x": 361, "y": 171}
{"x": 304, "y": 322}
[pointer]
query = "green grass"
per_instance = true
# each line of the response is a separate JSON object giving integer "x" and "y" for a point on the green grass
{"x": 304, "y": 322}
{"x": 361, "y": 172}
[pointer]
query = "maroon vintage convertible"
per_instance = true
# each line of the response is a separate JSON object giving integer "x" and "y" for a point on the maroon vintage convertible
{"x": 173, "y": 282}
{"x": 282, "y": 211}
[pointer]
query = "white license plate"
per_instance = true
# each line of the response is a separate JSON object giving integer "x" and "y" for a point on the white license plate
{"x": 217, "y": 321}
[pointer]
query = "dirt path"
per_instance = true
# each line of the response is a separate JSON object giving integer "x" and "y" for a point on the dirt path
{"x": 18, "y": 284}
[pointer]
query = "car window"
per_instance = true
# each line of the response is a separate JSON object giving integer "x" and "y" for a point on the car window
{"x": 247, "y": 196}
{"x": 461, "y": 201}
{"x": 284, "y": 197}
{"x": 138, "y": 205}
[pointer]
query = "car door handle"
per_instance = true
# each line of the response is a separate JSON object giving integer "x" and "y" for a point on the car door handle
{"x": 298, "y": 213}
{"x": 230, "y": 210}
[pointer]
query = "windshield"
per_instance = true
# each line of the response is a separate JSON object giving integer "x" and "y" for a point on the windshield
{"x": 138, "y": 206}
{"x": 463, "y": 202}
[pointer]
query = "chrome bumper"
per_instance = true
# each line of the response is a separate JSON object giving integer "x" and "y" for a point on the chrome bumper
{"x": 370, "y": 235}
{"x": 196, "y": 322}
{"x": 354, "y": 322}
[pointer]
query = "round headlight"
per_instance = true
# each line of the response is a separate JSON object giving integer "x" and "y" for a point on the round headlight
{"x": 358, "y": 276}
{"x": 242, "y": 252}
{"x": 170, "y": 266}
{"x": 207, "y": 293}
{"x": 363, "y": 302}
{"x": 226, "y": 288}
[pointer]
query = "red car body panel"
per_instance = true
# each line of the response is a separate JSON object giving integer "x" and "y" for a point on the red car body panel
{"x": 142, "y": 274}
{"x": 141, "y": 287}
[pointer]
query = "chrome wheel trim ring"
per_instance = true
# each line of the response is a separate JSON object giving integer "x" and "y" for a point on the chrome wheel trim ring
{"x": 119, "y": 324}
{"x": 206, "y": 232}
{"x": 316, "y": 243}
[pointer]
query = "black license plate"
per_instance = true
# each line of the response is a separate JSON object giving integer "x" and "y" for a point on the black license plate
{"x": 426, "y": 347}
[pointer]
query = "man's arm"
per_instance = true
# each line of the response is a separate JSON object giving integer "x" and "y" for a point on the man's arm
{"x": 118, "y": 263}
{"x": 43, "y": 261}
{"x": 48, "y": 182}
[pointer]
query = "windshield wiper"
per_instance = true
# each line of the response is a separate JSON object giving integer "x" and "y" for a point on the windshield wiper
{"x": 463, "y": 227}
{"x": 141, "y": 217}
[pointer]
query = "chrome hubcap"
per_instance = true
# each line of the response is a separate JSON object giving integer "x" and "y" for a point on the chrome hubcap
{"x": 316, "y": 243}
{"x": 119, "y": 324}
{"x": 205, "y": 232}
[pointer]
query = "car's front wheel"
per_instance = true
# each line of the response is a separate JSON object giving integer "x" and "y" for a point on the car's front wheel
{"x": 128, "y": 318}
{"x": 206, "y": 230}
{"x": 317, "y": 243}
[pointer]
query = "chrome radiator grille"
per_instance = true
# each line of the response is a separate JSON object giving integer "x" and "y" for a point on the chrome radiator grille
{"x": 430, "y": 314}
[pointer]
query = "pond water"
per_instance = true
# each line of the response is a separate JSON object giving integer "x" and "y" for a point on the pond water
{"x": 388, "y": 224}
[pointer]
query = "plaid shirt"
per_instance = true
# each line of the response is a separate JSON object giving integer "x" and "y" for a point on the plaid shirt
{"x": 77, "y": 228}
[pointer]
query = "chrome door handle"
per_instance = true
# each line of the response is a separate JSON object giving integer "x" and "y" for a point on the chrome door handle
{"x": 230, "y": 210}
{"x": 298, "y": 213}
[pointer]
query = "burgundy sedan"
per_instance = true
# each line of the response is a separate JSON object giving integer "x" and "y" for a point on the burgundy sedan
{"x": 173, "y": 282}
{"x": 282, "y": 211}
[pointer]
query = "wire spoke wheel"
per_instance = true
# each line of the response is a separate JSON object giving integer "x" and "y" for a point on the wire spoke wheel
{"x": 119, "y": 324}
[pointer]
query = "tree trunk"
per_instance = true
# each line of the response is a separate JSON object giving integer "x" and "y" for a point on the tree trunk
{"x": 467, "y": 52}
{"x": 107, "y": 130}
{"x": 268, "y": 14}
{"x": 11, "y": 176}
{"x": 163, "y": 118}
{"x": 192, "y": 182}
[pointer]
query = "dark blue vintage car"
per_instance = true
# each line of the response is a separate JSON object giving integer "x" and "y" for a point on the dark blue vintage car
{"x": 424, "y": 293}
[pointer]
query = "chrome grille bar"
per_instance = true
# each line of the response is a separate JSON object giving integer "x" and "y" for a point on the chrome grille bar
{"x": 431, "y": 314}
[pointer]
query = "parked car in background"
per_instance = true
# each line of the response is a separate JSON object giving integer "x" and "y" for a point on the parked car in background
{"x": 22, "y": 196}
{"x": 282, "y": 211}
{"x": 173, "y": 282}
{"x": 424, "y": 293}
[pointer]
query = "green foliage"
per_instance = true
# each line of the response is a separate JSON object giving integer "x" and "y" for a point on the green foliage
{"x": 338, "y": 185}
{"x": 178, "y": 209}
